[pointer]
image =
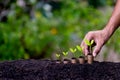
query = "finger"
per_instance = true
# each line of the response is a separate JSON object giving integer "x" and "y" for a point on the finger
{"x": 97, "y": 49}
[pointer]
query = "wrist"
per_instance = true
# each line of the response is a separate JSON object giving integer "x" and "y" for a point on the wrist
{"x": 107, "y": 32}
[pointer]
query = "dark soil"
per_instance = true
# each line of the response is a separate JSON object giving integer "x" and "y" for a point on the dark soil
{"x": 49, "y": 70}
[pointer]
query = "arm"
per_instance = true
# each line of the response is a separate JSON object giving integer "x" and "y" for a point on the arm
{"x": 114, "y": 21}
{"x": 100, "y": 37}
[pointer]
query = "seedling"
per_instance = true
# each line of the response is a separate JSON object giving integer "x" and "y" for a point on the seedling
{"x": 73, "y": 51}
{"x": 58, "y": 58}
{"x": 89, "y": 43}
{"x": 65, "y": 53}
{"x": 79, "y": 49}
{"x": 90, "y": 57}
{"x": 65, "y": 61}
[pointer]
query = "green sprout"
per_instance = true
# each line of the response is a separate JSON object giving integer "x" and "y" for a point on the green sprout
{"x": 89, "y": 43}
{"x": 58, "y": 56}
{"x": 73, "y": 50}
{"x": 65, "y": 53}
{"x": 79, "y": 49}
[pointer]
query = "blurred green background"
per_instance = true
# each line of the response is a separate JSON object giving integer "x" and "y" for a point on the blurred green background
{"x": 37, "y": 29}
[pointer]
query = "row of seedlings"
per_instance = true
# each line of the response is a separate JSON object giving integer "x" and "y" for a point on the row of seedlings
{"x": 81, "y": 58}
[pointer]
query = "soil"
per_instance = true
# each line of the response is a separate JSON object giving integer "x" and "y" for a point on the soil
{"x": 50, "y": 70}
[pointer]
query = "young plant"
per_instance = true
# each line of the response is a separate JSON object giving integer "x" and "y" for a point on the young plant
{"x": 58, "y": 56}
{"x": 65, "y": 61}
{"x": 89, "y": 43}
{"x": 79, "y": 49}
{"x": 65, "y": 53}
{"x": 73, "y": 51}
{"x": 81, "y": 58}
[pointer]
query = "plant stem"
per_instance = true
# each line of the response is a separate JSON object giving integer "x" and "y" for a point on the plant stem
{"x": 90, "y": 49}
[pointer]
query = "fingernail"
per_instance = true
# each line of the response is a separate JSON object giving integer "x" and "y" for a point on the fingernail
{"x": 94, "y": 54}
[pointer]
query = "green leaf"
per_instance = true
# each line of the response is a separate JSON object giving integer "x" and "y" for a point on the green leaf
{"x": 73, "y": 50}
{"x": 57, "y": 55}
{"x": 87, "y": 42}
{"x": 92, "y": 42}
{"x": 65, "y": 53}
{"x": 79, "y": 48}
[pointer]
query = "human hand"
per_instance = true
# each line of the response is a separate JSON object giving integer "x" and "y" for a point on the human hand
{"x": 100, "y": 37}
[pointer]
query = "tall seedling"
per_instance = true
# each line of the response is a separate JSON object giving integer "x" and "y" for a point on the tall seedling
{"x": 89, "y": 43}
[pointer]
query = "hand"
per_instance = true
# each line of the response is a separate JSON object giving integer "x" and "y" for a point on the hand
{"x": 100, "y": 37}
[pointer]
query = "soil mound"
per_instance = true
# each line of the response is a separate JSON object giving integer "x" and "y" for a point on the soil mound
{"x": 50, "y": 70}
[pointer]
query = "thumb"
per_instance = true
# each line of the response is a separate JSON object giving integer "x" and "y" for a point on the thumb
{"x": 96, "y": 49}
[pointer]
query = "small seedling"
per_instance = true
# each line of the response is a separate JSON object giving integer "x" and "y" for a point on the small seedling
{"x": 73, "y": 51}
{"x": 89, "y": 43}
{"x": 58, "y": 56}
{"x": 79, "y": 49}
{"x": 65, "y": 53}
{"x": 89, "y": 56}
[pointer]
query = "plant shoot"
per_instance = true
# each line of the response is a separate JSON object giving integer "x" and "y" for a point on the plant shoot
{"x": 65, "y": 53}
{"x": 89, "y": 43}
{"x": 58, "y": 56}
